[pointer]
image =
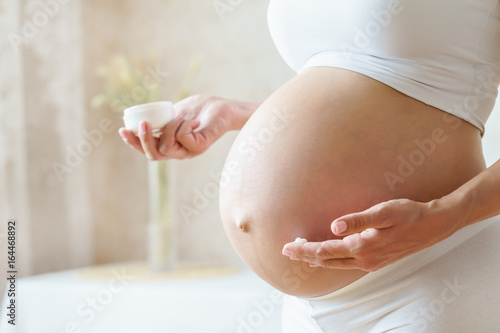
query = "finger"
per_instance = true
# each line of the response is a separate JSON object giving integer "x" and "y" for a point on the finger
{"x": 168, "y": 141}
{"x": 344, "y": 263}
{"x": 313, "y": 251}
{"x": 337, "y": 263}
{"x": 149, "y": 142}
{"x": 131, "y": 139}
{"x": 374, "y": 217}
{"x": 192, "y": 141}
{"x": 353, "y": 263}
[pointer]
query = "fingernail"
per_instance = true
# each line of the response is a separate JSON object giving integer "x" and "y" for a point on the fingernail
{"x": 286, "y": 252}
{"x": 122, "y": 135}
{"x": 340, "y": 227}
{"x": 313, "y": 265}
{"x": 142, "y": 128}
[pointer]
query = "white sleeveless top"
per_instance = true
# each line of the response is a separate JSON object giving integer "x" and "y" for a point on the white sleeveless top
{"x": 445, "y": 53}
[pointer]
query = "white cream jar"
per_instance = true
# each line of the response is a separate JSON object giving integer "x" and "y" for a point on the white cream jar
{"x": 158, "y": 114}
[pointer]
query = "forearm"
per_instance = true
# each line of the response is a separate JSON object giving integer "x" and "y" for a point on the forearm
{"x": 476, "y": 200}
{"x": 241, "y": 112}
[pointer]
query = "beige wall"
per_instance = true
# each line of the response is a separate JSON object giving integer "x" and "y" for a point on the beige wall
{"x": 42, "y": 111}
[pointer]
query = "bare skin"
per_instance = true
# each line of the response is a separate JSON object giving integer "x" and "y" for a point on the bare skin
{"x": 318, "y": 149}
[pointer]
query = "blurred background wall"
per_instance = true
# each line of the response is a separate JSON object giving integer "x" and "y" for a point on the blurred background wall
{"x": 81, "y": 209}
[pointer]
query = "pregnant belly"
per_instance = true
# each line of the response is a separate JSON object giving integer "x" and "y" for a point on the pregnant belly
{"x": 328, "y": 143}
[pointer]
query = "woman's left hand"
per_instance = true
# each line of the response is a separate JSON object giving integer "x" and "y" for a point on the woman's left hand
{"x": 378, "y": 236}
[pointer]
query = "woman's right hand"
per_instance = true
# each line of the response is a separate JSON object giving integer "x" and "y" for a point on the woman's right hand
{"x": 200, "y": 121}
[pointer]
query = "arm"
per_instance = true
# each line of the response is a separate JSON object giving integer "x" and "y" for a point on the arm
{"x": 392, "y": 230}
{"x": 242, "y": 111}
{"x": 474, "y": 201}
{"x": 201, "y": 120}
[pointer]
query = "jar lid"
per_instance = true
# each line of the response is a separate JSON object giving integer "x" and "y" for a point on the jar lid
{"x": 148, "y": 107}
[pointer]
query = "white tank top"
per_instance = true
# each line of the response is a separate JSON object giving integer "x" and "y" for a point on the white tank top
{"x": 445, "y": 53}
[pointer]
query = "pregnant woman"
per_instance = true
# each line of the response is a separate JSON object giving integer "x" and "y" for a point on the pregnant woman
{"x": 373, "y": 154}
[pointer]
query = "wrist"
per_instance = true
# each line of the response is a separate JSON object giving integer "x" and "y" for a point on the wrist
{"x": 450, "y": 211}
{"x": 238, "y": 113}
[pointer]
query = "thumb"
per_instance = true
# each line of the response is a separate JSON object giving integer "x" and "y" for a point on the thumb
{"x": 358, "y": 222}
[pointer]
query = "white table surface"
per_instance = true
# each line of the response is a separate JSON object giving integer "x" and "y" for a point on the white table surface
{"x": 67, "y": 302}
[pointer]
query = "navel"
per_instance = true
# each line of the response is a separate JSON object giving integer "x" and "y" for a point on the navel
{"x": 242, "y": 225}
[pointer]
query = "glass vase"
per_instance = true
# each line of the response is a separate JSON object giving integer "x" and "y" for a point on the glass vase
{"x": 162, "y": 231}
